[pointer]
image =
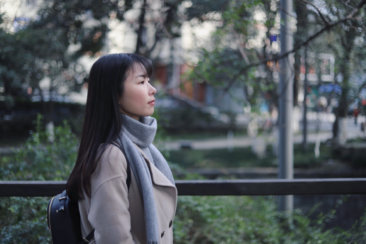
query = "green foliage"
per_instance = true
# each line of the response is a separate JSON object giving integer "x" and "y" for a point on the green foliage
{"x": 219, "y": 158}
{"x": 358, "y": 235}
{"x": 23, "y": 220}
{"x": 200, "y": 8}
{"x": 227, "y": 219}
{"x": 307, "y": 159}
{"x": 41, "y": 48}
{"x": 221, "y": 220}
{"x": 43, "y": 158}
{"x": 240, "y": 16}
{"x": 216, "y": 66}
{"x": 39, "y": 159}
{"x": 245, "y": 157}
{"x": 352, "y": 152}
{"x": 228, "y": 62}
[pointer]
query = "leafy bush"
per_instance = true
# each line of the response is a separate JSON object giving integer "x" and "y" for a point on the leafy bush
{"x": 42, "y": 158}
{"x": 23, "y": 220}
{"x": 39, "y": 159}
{"x": 352, "y": 152}
{"x": 232, "y": 219}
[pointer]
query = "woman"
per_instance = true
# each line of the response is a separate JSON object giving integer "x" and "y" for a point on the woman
{"x": 124, "y": 186}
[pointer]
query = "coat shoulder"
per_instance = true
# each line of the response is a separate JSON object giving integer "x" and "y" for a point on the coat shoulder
{"x": 111, "y": 164}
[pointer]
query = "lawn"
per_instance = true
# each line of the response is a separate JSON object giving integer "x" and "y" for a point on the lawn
{"x": 245, "y": 157}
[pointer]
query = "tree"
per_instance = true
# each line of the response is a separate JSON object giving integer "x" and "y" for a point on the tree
{"x": 50, "y": 46}
{"x": 348, "y": 45}
{"x": 217, "y": 67}
{"x": 18, "y": 67}
{"x": 225, "y": 61}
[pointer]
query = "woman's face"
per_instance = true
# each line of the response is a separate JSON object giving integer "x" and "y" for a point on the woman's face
{"x": 138, "y": 98}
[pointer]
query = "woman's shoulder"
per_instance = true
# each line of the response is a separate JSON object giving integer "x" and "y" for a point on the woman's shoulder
{"x": 111, "y": 168}
{"x": 112, "y": 161}
{"x": 111, "y": 152}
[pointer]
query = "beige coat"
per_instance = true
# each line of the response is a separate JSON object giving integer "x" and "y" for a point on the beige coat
{"x": 115, "y": 212}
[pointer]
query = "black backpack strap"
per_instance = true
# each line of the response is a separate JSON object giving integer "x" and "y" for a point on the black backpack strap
{"x": 128, "y": 180}
{"x": 89, "y": 237}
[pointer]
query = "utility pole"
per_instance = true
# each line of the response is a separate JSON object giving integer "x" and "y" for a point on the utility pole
{"x": 305, "y": 106}
{"x": 286, "y": 102}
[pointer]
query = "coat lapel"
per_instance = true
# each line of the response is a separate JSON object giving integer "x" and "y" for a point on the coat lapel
{"x": 157, "y": 177}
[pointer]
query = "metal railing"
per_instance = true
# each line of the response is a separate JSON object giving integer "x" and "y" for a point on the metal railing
{"x": 333, "y": 186}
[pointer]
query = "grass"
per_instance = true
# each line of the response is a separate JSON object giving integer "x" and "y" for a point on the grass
{"x": 357, "y": 140}
{"x": 201, "y": 135}
{"x": 218, "y": 158}
{"x": 245, "y": 157}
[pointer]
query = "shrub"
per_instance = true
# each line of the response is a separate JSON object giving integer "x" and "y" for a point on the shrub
{"x": 233, "y": 219}
{"x": 23, "y": 220}
{"x": 39, "y": 159}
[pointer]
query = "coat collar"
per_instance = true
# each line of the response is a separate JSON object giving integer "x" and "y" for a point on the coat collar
{"x": 157, "y": 177}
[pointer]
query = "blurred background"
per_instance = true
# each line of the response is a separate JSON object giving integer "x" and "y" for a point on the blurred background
{"x": 217, "y": 71}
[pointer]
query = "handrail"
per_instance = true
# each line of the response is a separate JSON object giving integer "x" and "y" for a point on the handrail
{"x": 324, "y": 186}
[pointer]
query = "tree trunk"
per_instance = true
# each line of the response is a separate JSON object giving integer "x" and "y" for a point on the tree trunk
{"x": 301, "y": 33}
{"x": 341, "y": 114}
{"x": 141, "y": 30}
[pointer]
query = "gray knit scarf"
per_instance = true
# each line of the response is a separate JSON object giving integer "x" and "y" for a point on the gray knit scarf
{"x": 142, "y": 133}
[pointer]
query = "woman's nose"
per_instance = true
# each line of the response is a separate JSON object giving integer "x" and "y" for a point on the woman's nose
{"x": 152, "y": 89}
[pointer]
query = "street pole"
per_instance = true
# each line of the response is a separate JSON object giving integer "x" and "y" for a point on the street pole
{"x": 305, "y": 106}
{"x": 286, "y": 103}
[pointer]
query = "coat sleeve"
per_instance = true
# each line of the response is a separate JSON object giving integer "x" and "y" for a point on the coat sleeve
{"x": 109, "y": 207}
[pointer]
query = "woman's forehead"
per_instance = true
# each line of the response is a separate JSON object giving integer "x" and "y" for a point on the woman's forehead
{"x": 138, "y": 68}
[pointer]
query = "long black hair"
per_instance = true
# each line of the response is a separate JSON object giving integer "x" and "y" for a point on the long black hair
{"x": 102, "y": 115}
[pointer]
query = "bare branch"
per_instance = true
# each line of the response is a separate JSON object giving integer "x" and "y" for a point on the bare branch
{"x": 363, "y": 86}
{"x": 351, "y": 15}
{"x": 242, "y": 50}
{"x": 356, "y": 10}
{"x": 318, "y": 11}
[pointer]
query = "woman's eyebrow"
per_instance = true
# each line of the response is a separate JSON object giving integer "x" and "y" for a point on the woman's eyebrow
{"x": 141, "y": 75}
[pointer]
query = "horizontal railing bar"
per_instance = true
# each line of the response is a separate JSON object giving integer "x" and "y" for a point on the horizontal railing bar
{"x": 275, "y": 187}
{"x": 324, "y": 186}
